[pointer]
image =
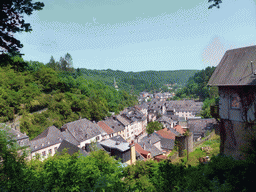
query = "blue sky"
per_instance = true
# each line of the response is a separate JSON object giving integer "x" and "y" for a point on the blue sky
{"x": 139, "y": 35}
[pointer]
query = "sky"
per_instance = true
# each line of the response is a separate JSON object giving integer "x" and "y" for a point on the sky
{"x": 138, "y": 35}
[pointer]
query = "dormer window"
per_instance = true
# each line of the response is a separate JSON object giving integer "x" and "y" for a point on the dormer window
{"x": 42, "y": 144}
{"x": 48, "y": 142}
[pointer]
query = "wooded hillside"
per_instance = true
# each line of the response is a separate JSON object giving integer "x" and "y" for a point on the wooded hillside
{"x": 27, "y": 87}
{"x": 139, "y": 81}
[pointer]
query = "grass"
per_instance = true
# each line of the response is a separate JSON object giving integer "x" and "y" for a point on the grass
{"x": 213, "y": 143}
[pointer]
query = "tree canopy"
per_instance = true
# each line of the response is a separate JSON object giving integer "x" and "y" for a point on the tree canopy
{"x": 216, "y": 3}
{"x": 12, "y": 21}
{"x": 153, "y": 126}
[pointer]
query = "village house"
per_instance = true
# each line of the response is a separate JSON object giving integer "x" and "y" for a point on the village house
{"x": 137, "y": 122}
{"x": 143, "y": 153}
{"x": 235, "y": 77}
{"x": 167, "y": 121}
{"x": 154, "y": 151}
{"x": 200, "y": 127}
{"x": 184, "y": 108}
{"x": 112, "y": 127}
{"x": 152, "y": 139}
{"x": 84, "y": 131}
{"x": 21, "y": 138}
{"x": 46, "y": 143}
{"x": 118, "y": 147}
{"x": 167, "y": 140}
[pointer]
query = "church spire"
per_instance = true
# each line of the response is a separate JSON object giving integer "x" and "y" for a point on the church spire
{"x": 115, "y": 85}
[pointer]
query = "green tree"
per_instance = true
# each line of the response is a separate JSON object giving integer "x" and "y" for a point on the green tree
{"x": 53, "y": 64}
{"x": 12, "y": 21}
{"x": 66, "y": 63}
{"x": 153, "y": 126}
{"x": 12, "y": 164}
{"x": 216, "y": 3}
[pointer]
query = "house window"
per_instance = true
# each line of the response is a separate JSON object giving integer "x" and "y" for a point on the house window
{"x": 97, "y": 138}
{"x": 44, "y": 153}
{"x": 235, "y": 102}
{"x": 50, "y": 151}
{"x": 55, "y": 148}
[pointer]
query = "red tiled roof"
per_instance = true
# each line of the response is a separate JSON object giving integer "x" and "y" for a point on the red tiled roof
{"x": 140, "y": 150}
{"x": 166, "y": 134}
{"x": 161, "y": 157}
{"x": 105, "y": 127}
{"x": 179, "y": 129}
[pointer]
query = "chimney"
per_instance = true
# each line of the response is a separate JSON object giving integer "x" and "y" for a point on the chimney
{"x": 133, "y": 152}
{"x": 64, "y": 128}
{"x": 149, "y": 141}
{"x": 144, "y": 147}
{"x": 117, "y": 142}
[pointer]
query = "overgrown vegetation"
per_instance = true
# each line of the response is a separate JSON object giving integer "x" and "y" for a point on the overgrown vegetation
{"x": 211, "y": 148}
{"x": 153, "y": 126}
{"x": 64, "y": 94}
{"x": 100, "y": 172}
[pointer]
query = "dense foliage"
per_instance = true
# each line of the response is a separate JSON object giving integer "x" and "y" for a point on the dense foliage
{"x": 153, "y": 126}
{"x": 100, "y": 172}
{"x": 63, "y": 96}
{"x": 11, "y": 21}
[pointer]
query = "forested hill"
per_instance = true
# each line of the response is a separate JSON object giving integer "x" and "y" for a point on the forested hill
{"x": 65, "y": 95}
{"x": 139, "y": 81}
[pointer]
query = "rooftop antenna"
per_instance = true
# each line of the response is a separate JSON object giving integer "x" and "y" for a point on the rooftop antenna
{"x": 251, "y": 67}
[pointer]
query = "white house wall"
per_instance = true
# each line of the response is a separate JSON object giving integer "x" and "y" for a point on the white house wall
{"x": 33, "y": 154}
{"x": 88, "y": 141}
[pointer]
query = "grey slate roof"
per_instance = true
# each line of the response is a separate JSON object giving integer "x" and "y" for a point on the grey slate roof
{"x": 133, "y": 114}
{"x": 235, "y": 68}
{"x": 121, "y": 146}
{"x": 48, "y": 137}
{"x": 167, "y": 143}
{"x": 150, "y": 147}
{"x": 165, "y": 119}
{"x": 184, "y": 105}
{"x": 22, "y": 139}
{"x": 122, "y": 120}
{"x": 71, "y": 149}
{"x": 15, "y": 134}
{"x": 115, "y": 125}
{"x": 175, "y": 117}
{"x": 83, "y": 129}
{"x": 118, "y": 138}
{"x": 67, "y": 136}
{"x": 152, "y": 137}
